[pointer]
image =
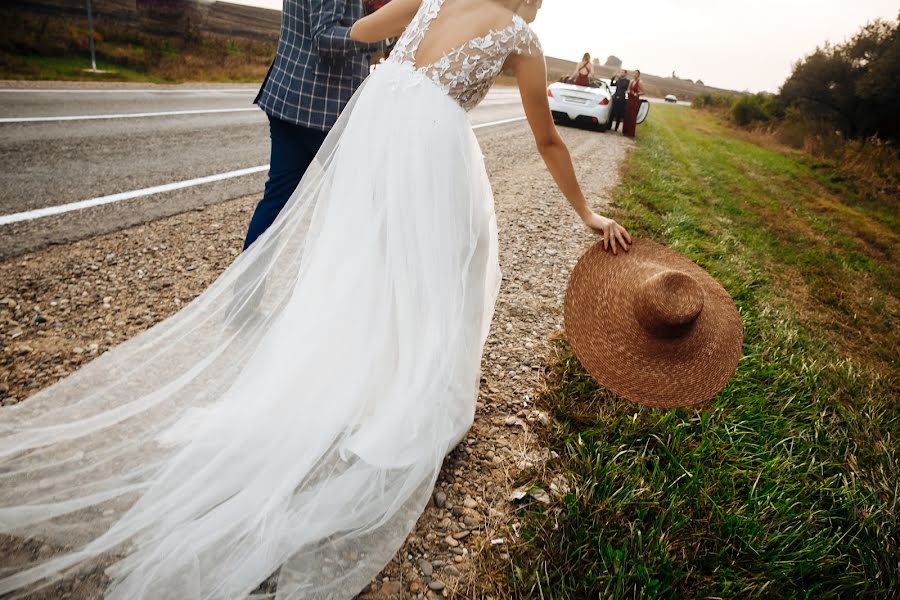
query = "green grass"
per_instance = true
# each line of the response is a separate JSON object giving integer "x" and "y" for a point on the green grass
{"x": 69, "y": 68}
{"x": 786, "y": 486}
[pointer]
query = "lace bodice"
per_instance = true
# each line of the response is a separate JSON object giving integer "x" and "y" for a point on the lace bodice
{"x": 467, "y": 72}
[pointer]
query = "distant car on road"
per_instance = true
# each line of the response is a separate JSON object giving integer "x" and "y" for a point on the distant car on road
{"x": 672, "y": 98}
{"x": 589, "y": 105}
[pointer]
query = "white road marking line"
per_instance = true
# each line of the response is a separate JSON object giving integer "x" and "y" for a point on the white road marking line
{"x": 500, "y": 122}
{"x": 170, "y": 113}
{"x": 498, "y": 101}
{"x": 39, "y": 213}
{"x": 127, "y": 91}
{"x": 158, "y": 189}
{"x": 126, "y": 115}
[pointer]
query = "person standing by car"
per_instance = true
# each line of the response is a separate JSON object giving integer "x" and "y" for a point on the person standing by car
{"x": 633, "y": 104}
{"x": 621, "y": 82}
{"x": 583, "y": 71}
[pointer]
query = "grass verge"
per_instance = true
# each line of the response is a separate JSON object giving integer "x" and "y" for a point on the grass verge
{"x": 67, "y": 68}
{"x": 786, "y": 486}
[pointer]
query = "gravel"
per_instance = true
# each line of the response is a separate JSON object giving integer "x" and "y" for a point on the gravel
{"x": 63, "y": 306}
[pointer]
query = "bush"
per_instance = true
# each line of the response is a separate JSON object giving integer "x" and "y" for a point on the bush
{"x": 714, "y": 101}
{"x": 855, "y": 86}
{"x": 758, "y": 108}
{"x": 744, "y": 109}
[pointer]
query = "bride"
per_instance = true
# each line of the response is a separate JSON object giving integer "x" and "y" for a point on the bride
{"x": 300, "y": 433}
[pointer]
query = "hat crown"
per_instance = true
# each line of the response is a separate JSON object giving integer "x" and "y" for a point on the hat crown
{"x": 668, "y": 302}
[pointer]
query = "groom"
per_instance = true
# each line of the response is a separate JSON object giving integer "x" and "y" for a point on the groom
{"x": 315, "y": 72}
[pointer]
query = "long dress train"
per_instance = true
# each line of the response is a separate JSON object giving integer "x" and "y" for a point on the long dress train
{"x": 293, "y": 418}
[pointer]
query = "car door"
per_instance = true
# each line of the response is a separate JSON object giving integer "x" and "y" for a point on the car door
{"x": 643, "y": 111}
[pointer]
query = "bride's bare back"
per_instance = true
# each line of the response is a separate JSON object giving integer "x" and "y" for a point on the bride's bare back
{"x": 462, "y": 45}
{"x": 457, "y": 23}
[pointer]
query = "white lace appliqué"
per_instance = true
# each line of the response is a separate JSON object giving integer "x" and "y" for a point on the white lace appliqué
{"x": 466, "y": 73}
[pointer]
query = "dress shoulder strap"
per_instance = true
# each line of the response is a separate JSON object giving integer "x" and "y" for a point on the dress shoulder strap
{"x": 527, "y": 41}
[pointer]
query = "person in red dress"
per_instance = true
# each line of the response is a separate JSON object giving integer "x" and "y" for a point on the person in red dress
{"x": 584, "y": 70}
{"x": 633, "y": 105}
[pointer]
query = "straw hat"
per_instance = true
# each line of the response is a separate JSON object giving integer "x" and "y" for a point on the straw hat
{"x": 652, "y": 326}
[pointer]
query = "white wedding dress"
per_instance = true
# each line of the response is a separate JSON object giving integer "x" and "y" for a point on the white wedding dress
{"x": 301, "y": 435}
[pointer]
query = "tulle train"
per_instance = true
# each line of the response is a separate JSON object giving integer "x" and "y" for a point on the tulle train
{"x": 293, "y": 418}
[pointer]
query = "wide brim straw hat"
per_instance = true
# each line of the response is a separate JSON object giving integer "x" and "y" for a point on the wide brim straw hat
{"x": 652, "y": 326}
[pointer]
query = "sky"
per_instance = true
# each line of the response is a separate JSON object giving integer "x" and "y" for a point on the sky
{"x": 729, "y": 44}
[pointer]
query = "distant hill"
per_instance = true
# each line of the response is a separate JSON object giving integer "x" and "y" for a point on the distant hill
{"x": 244, "y": 21}
{"x": 219, "y": 18}
{"x": 656, "y": 86}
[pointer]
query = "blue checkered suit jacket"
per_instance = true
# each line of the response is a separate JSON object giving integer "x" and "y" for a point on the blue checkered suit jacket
{"x": 317, "y": 67}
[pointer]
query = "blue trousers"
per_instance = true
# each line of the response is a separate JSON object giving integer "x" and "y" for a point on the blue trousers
{"x": 293, "y": 149}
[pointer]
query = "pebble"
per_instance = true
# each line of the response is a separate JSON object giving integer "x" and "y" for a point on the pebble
{"x": 451, "y": 571}
{"x": 436, "y": 585}
{"x": 440, "y": 498}
{"x": 391, "y": 588}
{"x": 426, "y": 567}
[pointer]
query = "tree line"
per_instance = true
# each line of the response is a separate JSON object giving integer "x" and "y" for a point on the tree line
{"x": 852, "y": 88}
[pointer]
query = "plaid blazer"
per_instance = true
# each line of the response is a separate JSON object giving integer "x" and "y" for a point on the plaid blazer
{"x": 317, "y": 67}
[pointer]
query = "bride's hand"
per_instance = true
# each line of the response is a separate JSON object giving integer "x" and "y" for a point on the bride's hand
{"x": 614, "y": 235}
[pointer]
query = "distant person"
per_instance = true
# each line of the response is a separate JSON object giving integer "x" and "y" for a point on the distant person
{"x": 633, "y": 104}
{"x": 584, "y": 71}
{"x": 621, "y": 81}
{"x": 316, "y": 70}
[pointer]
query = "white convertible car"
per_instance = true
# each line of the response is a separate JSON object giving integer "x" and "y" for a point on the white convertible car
{"x": 586, "y": 105}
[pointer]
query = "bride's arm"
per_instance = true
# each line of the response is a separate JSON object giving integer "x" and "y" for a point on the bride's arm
{"x": 531, "y": 74}
{"x": 386, "y": 22}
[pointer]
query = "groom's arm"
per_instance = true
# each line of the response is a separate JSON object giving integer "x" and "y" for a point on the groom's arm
{"x": 332, "y": 39}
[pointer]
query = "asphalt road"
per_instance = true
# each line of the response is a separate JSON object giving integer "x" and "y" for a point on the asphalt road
{"x": 65, "y": 144}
